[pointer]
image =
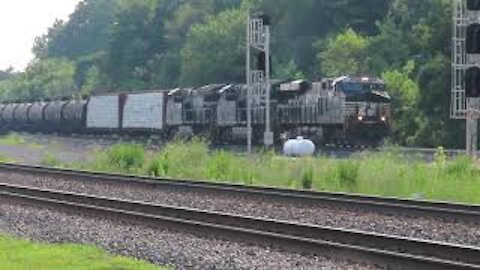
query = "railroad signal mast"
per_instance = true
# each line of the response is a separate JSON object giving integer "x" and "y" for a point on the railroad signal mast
{"x": 466, "y": 68}
{"x": 258, "y": 80}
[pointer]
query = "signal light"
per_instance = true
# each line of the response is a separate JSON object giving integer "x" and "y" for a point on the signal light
{"x": 261, "y": 65}
{"x": 472, "y": 82}
{"x": 266, "y": 19}
{"x": 473, "y": 5}
{"x": 473, "y": 39}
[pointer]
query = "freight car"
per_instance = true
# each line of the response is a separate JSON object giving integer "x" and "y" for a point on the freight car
{"x": 343, "y": 110}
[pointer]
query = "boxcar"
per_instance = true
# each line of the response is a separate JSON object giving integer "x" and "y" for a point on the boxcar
{"x": 104, "y": 113}
{"x": 144, "y": 112}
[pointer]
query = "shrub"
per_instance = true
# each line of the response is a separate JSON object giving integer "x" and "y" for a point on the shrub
{"x": 50, "y": 161}
{"x": 348, "y": 174}
{"x": 126, "y": 157}
{"x": 461, "y": 166}
{"x": 307, "y": 177}
{"x": 158, "y": 166}
{"x": 218, "y": 167}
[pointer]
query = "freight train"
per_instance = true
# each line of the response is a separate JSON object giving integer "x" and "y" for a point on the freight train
{"x": 345, "y": 110}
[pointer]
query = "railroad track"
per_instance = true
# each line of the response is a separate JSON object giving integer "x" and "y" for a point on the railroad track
{"x": 389, "y": 206}
{"x": 384, "y": 250}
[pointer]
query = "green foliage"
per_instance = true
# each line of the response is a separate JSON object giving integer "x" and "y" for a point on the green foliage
{"x": 123, "y": 157}
{"x": 344, "y": 55}
{"x": 12, "y": 139}
{"x": 348, "y": 174}
{"x": 92, "y": 81}
{"x": 404, "y": 92}
{"x": 22, "y": 255}
{"x": 440, "y": 158}
{"x": 47, "y": 78}
{"x": 50, "y": 161}
{"x": 221, "y": 40}
{"x": 307, "y": 177}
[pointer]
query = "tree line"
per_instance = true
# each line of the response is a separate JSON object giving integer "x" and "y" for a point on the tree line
{"x": 119, "y": 45}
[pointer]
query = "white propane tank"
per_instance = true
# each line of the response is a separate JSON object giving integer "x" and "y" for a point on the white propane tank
{"x": 299, "y": 147}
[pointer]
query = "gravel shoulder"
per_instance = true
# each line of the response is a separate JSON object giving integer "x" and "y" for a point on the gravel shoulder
{"x": 160, "y": 246}
{"x": 422, "y": 228}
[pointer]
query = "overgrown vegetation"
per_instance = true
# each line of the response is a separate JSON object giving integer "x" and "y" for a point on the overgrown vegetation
{"x": 385, "y": 173}
{"x": 119, "y": 45}
{"x": 24, "y": 255}
{"x": 14, "y": 139}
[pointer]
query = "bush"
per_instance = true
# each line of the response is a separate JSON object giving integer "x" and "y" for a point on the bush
{"x": 125, "y": 157}
{"x": 50, "y": 161}
{"x": 159, "y": 166}
{"x": 348, "y": 174}
{"x": 218, "y": 167}
{"x": 307, "y": 178}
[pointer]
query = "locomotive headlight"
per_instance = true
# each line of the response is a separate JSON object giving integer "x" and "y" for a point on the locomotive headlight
{"x": 384, "y": 119}
{"x": 360, "y": 118}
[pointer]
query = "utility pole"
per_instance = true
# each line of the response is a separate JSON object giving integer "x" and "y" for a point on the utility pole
{"x": 258, "y": 80}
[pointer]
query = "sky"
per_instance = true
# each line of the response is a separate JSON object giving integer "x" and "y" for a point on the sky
{"x": 23, "y": 20}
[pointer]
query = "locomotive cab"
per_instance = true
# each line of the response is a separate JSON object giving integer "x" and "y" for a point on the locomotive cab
{"x": 367, "y": 109}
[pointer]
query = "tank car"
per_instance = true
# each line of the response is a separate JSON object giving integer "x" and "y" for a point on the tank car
{"x": 8, "y": 116}
{"x": 36, "y": 116}
{"x": 20, "y": 116}
{"x": 74, "y": 116}
{"x": 52, "y": 116}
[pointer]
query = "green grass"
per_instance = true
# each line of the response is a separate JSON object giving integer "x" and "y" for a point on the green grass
{"x": 384, "y": 174}
{"x": 18, "y": 254}
{"x": 50, "y": 161}
{"x": 14, "y": 139}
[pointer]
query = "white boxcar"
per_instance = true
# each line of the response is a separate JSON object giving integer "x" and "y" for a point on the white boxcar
{"x": 103, "y": 112}
{"x": 144, "y": 111}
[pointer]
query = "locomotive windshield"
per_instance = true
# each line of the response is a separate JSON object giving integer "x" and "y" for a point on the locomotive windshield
{"x": 361, "y": 87}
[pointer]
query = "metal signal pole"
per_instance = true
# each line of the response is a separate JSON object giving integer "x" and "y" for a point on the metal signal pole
{"x": 472, "y": 127}
{"x": 466, "y": 69}
{"x": 249, "y": 88}
{"x": 258, "y": 80}
{"x": 268, "y": 136}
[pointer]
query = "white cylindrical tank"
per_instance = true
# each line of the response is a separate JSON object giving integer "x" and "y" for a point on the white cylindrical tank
{"x": 299, "y": 147}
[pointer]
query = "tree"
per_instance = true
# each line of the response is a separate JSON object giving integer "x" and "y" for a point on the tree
{"x": 50, "y": 78}
{"x": 86, "y": 31}
{"x": 131, "y": 45}
{"x": 215, "y": 51}
{"x": 345, "y": 54}
{"x": 404, "y": 92}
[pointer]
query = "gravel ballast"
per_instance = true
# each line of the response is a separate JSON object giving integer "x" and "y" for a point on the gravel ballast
{"x": 160, "y": 246}
{"x": 417, "y": 227}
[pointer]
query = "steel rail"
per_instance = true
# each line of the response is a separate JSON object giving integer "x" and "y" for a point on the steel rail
{"x": 391, "y": 206}
{"x": 392, "y": 252}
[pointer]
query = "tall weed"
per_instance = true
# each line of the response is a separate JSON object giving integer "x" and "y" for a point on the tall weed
{"x": 348, "y": 174}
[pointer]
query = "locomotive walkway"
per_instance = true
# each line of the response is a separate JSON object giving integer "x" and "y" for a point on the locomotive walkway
{"x": 387, "y": 251}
